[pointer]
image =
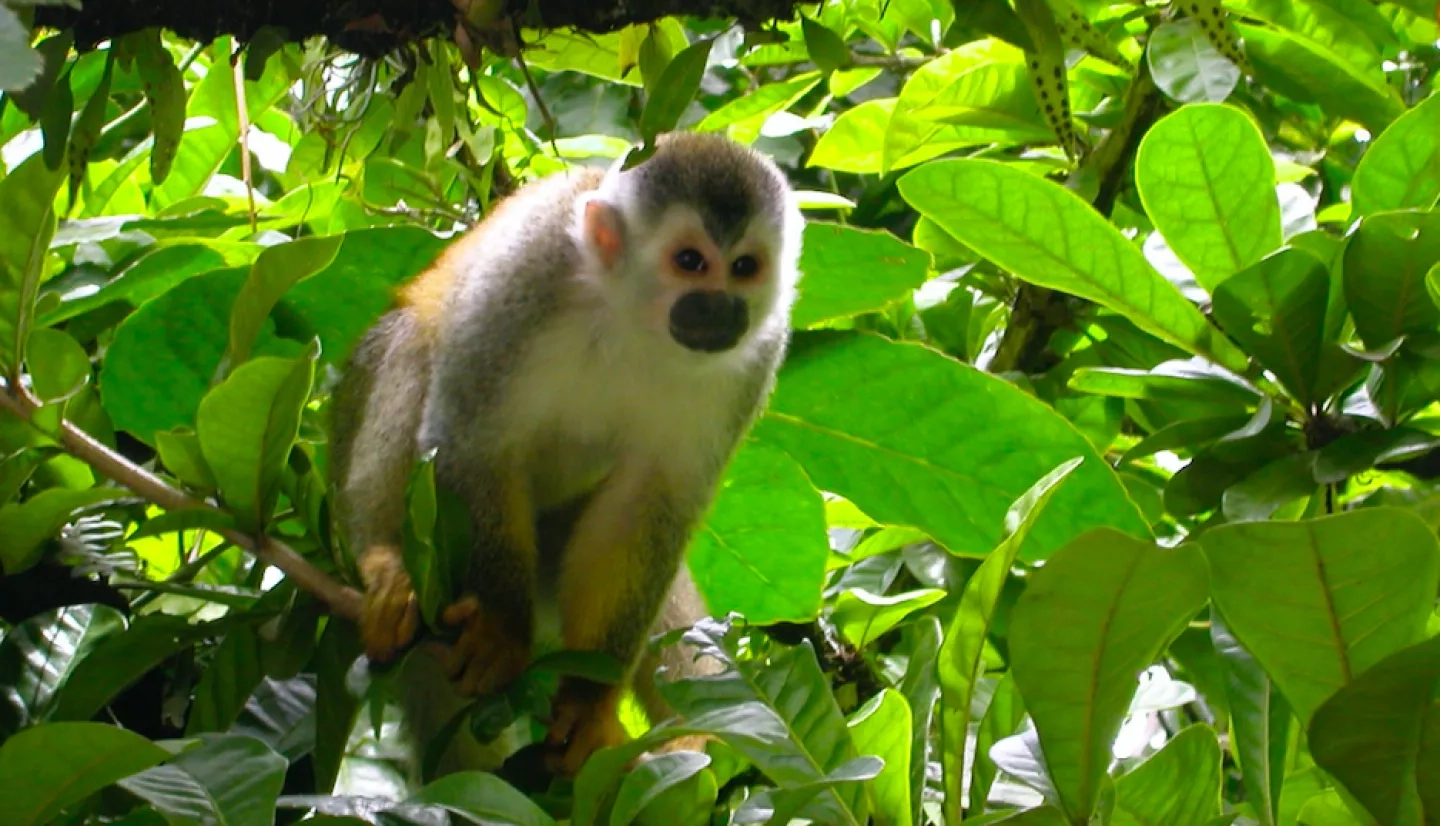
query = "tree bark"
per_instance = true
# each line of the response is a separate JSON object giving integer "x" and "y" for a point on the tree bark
{"x": 373, "y": 27}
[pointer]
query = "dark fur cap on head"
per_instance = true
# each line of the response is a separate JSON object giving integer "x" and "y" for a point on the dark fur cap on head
{"x": 727, "y": 184}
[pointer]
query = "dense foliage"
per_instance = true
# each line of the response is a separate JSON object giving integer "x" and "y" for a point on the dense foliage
{"x": 1098, "y": 485}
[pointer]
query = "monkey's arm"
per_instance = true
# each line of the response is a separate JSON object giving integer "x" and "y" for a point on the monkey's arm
{"x": 376, "y": 413}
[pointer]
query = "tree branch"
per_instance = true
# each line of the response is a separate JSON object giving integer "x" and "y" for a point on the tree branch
{"x": 374, "y": 27}
{"x": 342, "y": 601}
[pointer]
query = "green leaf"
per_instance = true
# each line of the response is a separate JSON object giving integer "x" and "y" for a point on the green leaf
{"x": 1207, "y": 181}
{"x": 1276, "y": 310}
{"x": 247, "y": 425}
{"x": 276, "y": 270}
{"x": 483, "y": 797}
{"x": 1309, "y": 73}
{"x": 26, "y": 526}
{"x": 861, "y": 617}
{"x": 120, "y": 659}
{"x": 228, "y": 681}
{"x": 1359, "y": 586}
{"x": 181, "y": 454}
{"x": 762, "y": 549}
{"x": 979, "y": 93}
{"x": 1380, "y": 736}
{"x": 804, "y": 801}
{"x": 1047, "y": 235}
{"x": 883, "y": 728}
{"x": 49, "y": 767}
{"x": 20, "y": 65}
{"x": 675, "y": 89}
{"x": 935, "y": 444}
{"x": 153, "y": 274}
{"x": 852, "y": 271}
{"x": 1178, "y": 786}
{"x": 1098, "y": 613}
{"x": 652, "y": 779}
{"x": 59, "y": 366}
{"x": 228, "y": 778}
{"x": 1186, "y": 66}
{"x": 1401, "y": 169}
{"x": 1386, "y": 261}
{"x": 27, "y": 197}
{"x": 961, "y": 664}
{"x": 765, "y": 101}
{"x": 921, "y": 688}
{"x": 826, "y": 48}
{"x": 38, "y": 655}
{"x": 1259, "y": 721}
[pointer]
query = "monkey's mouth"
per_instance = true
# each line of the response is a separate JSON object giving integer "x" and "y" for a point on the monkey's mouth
{"x": 708, "y": 321}
{"x": 705, "y": 340}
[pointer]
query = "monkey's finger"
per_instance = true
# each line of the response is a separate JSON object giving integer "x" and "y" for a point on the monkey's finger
{"x": 460, "y": 612}
{"x": 465, "y": 653}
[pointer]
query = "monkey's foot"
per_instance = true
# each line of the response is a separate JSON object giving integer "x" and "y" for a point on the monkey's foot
{"x": 585, "y": 719}
{"x": 488, "y": 655}
{"x": 389, "y": 616}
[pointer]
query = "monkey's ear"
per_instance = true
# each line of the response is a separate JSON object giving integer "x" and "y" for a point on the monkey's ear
{"x": 602, "y": 230}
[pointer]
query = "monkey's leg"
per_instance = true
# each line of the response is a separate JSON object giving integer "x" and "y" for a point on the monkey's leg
{"x": 682, "y": 608}
{"x": 496, "y": 618}
{"x": 620, "y": 561}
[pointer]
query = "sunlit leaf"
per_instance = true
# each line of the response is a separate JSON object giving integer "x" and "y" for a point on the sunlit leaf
{"x": 1359, "y": 586}
{"x": 1046, "y": 235}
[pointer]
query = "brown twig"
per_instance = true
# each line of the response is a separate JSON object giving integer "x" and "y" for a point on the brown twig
{"x": 342, "y": 601}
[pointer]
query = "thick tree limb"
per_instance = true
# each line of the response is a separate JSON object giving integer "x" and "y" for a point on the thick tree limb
{"x": 373, "y": 27}
{"x": 342, "y": 601}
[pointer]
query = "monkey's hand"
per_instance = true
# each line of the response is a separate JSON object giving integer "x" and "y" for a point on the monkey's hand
{"x": 585, "y": 719}
{"x": 390, "y": 615}
{"x": 489, "y": 653}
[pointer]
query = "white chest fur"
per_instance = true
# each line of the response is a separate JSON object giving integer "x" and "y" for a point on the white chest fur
{"x": 588, "y": 396}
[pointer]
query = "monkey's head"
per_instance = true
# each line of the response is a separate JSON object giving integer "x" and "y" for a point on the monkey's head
{"x": 700, "y": 243}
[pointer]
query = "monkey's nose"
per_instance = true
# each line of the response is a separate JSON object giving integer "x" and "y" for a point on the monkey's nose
{"x": 709, "y": 321}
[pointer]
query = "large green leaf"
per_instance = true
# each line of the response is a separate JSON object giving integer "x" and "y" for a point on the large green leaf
{"x": 779, "y": 713}
{"x": 1259, "y": 722}
{"x": 1179, "y": 786}
{"x": 1380, "y": 736}
{"x": 1097, "y": 614}
{"x": 850, "y": 271}
{"x": 1320, "y": 601}
{"x": 1386, "y": 261}
{"x": 247, "y": 425}
{"x": 228, "y": 778}
{"x": 961, "y": 663}
{"x": 1276, "y": 309}
{"x": 1207, "y": 181}
{"x": 38, "y": 655}
{"x": 762, "y": 548}
{"x": 482, "y": 797}
{"x": 934, "y": 443}
{"x": 1047, "y": 235}
{"x": 1308, "y": 72}
{"x": 48, "y": 767}
{"x": 340, "y": 302}
{"x": 1401, "y": 170}
{"x": 882, "y": 727}
{"x": 120, "y": 659}
{"x": 276, "y": 270}
{"x": 1187, "y": 66}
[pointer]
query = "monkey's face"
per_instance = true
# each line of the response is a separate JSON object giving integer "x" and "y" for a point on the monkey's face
{"x": 708, "y": 296}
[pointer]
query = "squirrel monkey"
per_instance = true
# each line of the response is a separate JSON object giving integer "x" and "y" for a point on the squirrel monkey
{"x": 585, "y": 361}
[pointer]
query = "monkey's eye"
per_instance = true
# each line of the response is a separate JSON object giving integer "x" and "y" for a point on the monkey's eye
{"x": 744, "y": 267}
{"x": 690, "y": 260}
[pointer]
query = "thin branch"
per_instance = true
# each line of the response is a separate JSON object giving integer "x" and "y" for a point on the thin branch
{"x": 342, "y": 601}
{"x": 242, "y": 113}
